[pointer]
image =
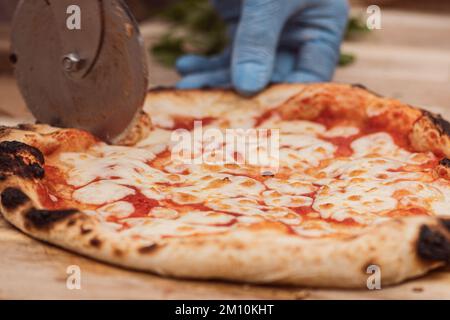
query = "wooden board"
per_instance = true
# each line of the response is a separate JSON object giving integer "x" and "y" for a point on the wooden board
{"x": 32, "y": 269}
{"x": 407, "y": 59}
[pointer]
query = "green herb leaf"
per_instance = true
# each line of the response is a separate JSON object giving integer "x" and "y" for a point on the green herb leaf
{"x": 197, "y": 28}
{"x": 168, "y": 49}
{"x": 346, "y": 59}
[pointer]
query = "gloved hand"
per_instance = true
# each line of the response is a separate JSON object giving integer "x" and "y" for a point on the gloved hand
{"x": 272, "y": 41}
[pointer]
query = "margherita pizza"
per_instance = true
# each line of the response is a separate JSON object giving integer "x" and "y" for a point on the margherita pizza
{"x": 301, "y": 184}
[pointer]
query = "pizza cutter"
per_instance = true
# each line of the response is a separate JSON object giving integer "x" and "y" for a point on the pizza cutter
{"x": 80, "y": 63}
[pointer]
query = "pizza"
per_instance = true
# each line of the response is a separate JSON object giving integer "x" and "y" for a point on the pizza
{"x": 348, "y": 180}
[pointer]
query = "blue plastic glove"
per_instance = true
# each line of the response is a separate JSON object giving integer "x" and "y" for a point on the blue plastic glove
{"x": 272, "y": 41}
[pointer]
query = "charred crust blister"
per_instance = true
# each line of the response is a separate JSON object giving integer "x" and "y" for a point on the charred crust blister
{"x": 95, "y": 242}
{"x": 149, "y": 249}
{"x": 85, "y": 231}
{"x": 446, "y": 223}
{"x": 162, "y": 89}
{"x": 17, "y": 147}
{"x": 43, "y": 219}
{"x": 363, "y": 87}
{"x": 25, "y": 127}
{"x": 442, "y": 125}
{"x": 118, "y": 253}
{"x": 358, "y": 85}
{"x": 17, "y": 158}
{"x": 433, "y": 245}
{"x": 445, "y": 162}
{"x": 13, "y": 198}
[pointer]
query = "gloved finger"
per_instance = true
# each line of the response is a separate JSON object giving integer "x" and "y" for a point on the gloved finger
{"x": 317, "y": 32}
{"x": 318, "y": 59}
{"x": 284, "y": 65}
{"x": 195, "y": 63}
{"x": 229, "y": 10}
{"x": 215, "y": 78}
{"x": 303, "y": 77}
{"x": 325, "y": 21}
{"x": 255, "y": 44}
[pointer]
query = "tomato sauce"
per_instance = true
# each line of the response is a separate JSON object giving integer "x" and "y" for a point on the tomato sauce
{"x": 46, "y": 200}
{"x": 264, "y": 117}
{"x": 343, "y": 145}
{"x": 142, "y": 204}
{"x": 407, "y": 212}
{"x": 303, "y": 210}
{"x": 188, "y": 123}
{"x": 47, "y": 191}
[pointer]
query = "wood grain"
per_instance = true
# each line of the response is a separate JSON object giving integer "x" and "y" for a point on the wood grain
{"x": 407, "y": 59}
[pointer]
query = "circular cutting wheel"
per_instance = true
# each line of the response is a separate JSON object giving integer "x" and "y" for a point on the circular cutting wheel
{"x": 94, "y": 78}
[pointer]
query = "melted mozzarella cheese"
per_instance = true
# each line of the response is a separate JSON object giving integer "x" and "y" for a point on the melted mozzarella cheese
{"x": 164, "y": 213}
{"x": 111, "y": 161}
{"x": 342, "y": 200}
{"x": 380, "y": 144}
{"x": 101, "y": 192}
{"x": 341, "y": 131}
{"x": 296, "y": 141}
{"x": 306, "y": 157}
{"x": 239, "y": 205}
{"x": 213, "y": 186}
{"x": 441, "y": 203}
{"x": 157, "y": 137}
{"x": 156, "y": 228}
{"x": 119, "y": 209}
{"x": 300, "y": 127}
{"x": 290, "y": 186}
{"x": 207, "y": 218}
{"x": 274, "y": 198}
{"x": 377, "y": 178}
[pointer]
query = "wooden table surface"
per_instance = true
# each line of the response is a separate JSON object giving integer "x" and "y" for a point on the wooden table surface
{"x": 408, "y": 59}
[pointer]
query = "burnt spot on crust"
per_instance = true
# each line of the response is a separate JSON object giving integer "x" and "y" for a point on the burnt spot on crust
{"x": 13, "y": 198}
{"x": 174, "y": 89}
{"x": 369, "y": 267}
{"x": 4, "y": 130}
{"x": 85, "y": 231}
{"x": 441, "y": 124}
{"x": 17, "y": 147}
{"x": 445, "y": 162}
{"x": 159, "y": 89}
{"x": 44, "y": 219}
{"x": 25, "y": 127}
{"x": 361, "y": 86}
{"x": 118, "y": 253}
{"x": 95, "y": 242}
{"x": 149, "y": 249}
{"x": 433, "y": 245}
{"x": 17, "y": 158}
{"x": 443, "y": 169}
{"x": 446, "y": 223}
{"x": 358, "y": 85}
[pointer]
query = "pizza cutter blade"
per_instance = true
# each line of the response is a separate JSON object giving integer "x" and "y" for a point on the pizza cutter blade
{"x": 80, "y": 63}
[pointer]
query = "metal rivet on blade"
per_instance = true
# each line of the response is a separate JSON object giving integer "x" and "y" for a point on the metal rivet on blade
{"x": 71, "y": 62}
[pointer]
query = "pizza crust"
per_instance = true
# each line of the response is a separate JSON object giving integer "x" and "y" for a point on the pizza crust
{"x": 443, "y": 169}
{"x": 431, "y": 133}
{"x": 403, "y": 248}
{"x": 139, "y": 129}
